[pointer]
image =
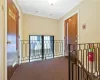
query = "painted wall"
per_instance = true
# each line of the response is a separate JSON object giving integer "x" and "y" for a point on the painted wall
{"x": 35, "y": 25}
{"x": 98, "y": 16}
{"x": 88, "y": 14}
{"x": 2, "y": 42}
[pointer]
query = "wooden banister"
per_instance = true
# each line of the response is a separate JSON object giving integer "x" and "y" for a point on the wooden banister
{"x": 79, "y": 63}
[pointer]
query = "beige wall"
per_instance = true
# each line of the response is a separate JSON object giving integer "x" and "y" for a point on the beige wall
{"x": 98, "y": 15}
{"x": 1, "y": 44}
{"x": 2, "y": 40}
{"x": 87, "y": 15}
{"x": 35, "y": 25}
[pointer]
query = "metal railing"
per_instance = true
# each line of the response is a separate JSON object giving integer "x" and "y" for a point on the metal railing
{"x": 84, "y": 61}
{"x": 41, "y": 50}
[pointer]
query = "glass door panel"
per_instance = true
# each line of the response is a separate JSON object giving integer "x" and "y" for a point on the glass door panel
{"x": 48, "y": 46}
{"x": 41, "y": 47}
{"x": 35, "y": 47}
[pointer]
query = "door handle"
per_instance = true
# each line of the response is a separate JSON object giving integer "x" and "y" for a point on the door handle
{"x": 75, "y": 41}
{"x": 8, "y": 42}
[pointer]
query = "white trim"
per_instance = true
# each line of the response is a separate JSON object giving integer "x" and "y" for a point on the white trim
{"x": 5, "y": 24}
{"x": 72, "y": 14}
{"x": 77, "y": 12}
{"x": 67, "y": 32}
{"x": 67, "y": 40}
{"x": 14, "y": 64}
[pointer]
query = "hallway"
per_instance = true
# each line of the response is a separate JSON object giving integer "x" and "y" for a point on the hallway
{"x": 52, "y": 69}
{"x": 74, "y": 36}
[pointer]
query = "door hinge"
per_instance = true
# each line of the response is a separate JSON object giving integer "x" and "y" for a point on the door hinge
{"x": 18, "y": 17}
{"x": 2, "y": 7}
{"x": 18, "y": 56}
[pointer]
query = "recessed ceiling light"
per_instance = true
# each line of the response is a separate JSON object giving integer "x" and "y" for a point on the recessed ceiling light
{"x": 52, "y": 2}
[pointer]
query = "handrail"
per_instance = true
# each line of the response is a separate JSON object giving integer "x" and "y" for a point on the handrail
{"x": 33, "y": 50}
{"x": 87, "y": 57}
{"x": 90, "y": 77}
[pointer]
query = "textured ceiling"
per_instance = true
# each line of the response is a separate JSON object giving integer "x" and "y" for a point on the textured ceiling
{"x": 43, "y": 8}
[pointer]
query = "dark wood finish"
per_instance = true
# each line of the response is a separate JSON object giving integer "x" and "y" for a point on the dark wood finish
{"x": 12, "y": 38}
{"x": 72, "y": 29}
{"x": 71, "y": 36}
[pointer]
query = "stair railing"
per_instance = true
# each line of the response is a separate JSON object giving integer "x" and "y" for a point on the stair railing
{"x": 84, "y": 61}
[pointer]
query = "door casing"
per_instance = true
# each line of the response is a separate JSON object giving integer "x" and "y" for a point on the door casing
{"x": 13, "y": 32}
{"x": 66, "y": 33}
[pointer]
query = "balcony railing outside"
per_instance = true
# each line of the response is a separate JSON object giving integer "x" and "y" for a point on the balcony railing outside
{"x": 41, "y": 50}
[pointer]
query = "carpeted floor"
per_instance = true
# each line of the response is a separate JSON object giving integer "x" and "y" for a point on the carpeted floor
{"x": 53, "y": 69}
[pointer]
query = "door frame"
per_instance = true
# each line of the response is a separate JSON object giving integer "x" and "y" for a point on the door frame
{"x": 78, "y": 27}
{"x": 5, "y": 22}
{"x": 12, "y": 68}
{"x": 5, "y": 25}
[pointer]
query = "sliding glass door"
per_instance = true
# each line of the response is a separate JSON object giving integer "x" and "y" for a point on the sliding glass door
{"x": 35, "y": 48}
{"x": 41, "y": 47}
{"x": 48, "y": 46}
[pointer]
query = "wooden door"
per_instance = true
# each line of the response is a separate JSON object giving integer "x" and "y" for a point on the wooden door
{"x": 12, "y": 38}
{"x": 71, "y": 38}
{"x": 70, "y": 31}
